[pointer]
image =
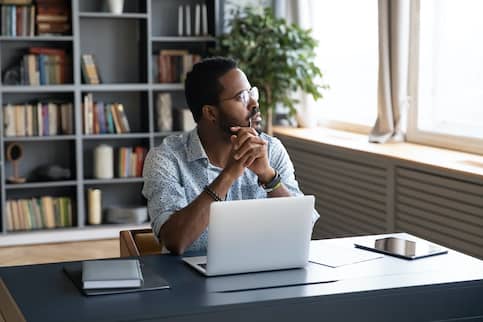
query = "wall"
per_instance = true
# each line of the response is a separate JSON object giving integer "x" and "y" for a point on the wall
{"x": 361, "y": 193}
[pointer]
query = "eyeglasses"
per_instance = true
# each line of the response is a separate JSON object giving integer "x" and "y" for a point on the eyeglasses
{"x": 244, "y": 96}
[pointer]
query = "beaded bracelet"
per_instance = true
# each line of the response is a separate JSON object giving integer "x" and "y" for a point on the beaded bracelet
{"x": 212, "y": 194}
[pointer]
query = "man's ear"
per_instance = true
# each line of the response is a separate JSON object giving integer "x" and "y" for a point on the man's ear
{"x": 210, "y": 113}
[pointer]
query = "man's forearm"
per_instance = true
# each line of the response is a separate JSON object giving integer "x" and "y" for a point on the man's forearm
{"x": 187, "y": 224}
{"x": 281, "y": 191}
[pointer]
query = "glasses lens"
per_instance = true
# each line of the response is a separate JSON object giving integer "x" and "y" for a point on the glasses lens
{"x": 254, "y": 93}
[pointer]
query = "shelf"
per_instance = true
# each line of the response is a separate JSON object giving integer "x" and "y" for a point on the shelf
{"x": 168, "y": 87}
{"x": 116, "y": 136}
{"x": 115, "y": 87}
{"x": 34, "y": 89}
{"x": 66, "y": 234}
{"x": 36, "y": 38}
{"x": 104, "y": 15}
{"x": 125, "y": 47}
{"x": 47, "y": 184}
{"x": 184, "y": 39}
{"x": 166, "y": 133}
{"x": 39, "y": 138}
{"x": 113, "y": 181}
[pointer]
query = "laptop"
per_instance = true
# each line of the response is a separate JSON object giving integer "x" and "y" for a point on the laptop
{"x": 257, "y": 235}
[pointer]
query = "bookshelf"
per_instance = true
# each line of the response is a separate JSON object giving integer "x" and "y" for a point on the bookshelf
{"x": 125, "y": 47}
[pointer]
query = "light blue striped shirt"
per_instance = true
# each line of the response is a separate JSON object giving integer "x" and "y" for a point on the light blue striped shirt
{"x": 176, "y": 172}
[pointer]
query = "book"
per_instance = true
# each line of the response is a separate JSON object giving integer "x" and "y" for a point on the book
{"x": 151, "y": 281}
{"x": 117, "y": 122}
{"x": 54, "y": 66}
{"x": 48, "y": 211}
{"x": 122, "y": 118}
{"x": 9, "y": 120}
{"x": 188, "y": 20}
{"x": 197, "y": 19}
{"x": 115, "y": 273}
{"x": 204, "y": 20}
{"x": 89, "y": 70}
{"x": 180, "y": 20}
{"x": 164, "y": 114}
{"x": 16, "y": 2}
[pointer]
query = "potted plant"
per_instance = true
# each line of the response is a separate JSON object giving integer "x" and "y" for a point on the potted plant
{"x": 277, "y": 57}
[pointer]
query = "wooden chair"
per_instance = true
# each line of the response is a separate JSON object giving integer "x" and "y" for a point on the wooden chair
{"x": 138, "y": 242}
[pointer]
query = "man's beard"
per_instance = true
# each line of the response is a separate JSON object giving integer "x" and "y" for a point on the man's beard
{"x": 226, "y": 122}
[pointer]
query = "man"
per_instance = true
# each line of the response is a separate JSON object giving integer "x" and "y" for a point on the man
{"x": 223, "y": 158}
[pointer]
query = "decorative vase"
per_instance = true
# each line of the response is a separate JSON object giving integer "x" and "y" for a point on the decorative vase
{"x": 115, "y": 6}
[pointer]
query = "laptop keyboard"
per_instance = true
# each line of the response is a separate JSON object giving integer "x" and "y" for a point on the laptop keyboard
{"x": 202, "y": 265}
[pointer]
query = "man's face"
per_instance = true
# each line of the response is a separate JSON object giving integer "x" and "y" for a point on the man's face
{"x": 236, "y": 102}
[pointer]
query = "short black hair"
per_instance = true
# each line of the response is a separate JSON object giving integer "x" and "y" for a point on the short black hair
{"x": 202, "y": 87}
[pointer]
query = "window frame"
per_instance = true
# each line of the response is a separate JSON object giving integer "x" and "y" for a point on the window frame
{"x": 414, "y": 134}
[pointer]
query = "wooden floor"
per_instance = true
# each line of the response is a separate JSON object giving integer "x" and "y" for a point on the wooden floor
{"x": 62, "y": 252}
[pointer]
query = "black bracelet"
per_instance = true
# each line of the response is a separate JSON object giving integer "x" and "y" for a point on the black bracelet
{"x": 273, "y": 184}
{"x": 212, "y": 194}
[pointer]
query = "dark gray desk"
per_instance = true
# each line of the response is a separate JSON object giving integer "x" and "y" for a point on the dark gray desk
{"x": 447, "y": 287}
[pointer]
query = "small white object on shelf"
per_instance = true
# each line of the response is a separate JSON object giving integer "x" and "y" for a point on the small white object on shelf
{"x": 133, "y": 215}
{"x": 95, "y": 209}
{"x": 115, "y": 6}
{"x": 103, "y": 162}
{"x": 185, "y": 120}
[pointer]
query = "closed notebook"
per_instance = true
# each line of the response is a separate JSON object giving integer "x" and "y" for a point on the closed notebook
{"x": 116, "y": 273}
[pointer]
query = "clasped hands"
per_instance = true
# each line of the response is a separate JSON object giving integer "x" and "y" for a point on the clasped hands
{"x": 249, "y": 150}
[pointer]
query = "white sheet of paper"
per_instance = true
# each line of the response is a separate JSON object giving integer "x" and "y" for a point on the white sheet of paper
{"x": 333, "y": 255}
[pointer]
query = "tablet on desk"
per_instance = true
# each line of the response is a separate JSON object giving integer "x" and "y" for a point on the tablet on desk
{"x": 403, "y": 248}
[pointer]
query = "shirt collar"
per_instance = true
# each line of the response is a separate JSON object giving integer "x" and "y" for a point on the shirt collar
{"x": 195, "y": 149}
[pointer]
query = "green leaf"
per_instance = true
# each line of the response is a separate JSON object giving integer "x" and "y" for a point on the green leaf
{"x": 274, "y": 54}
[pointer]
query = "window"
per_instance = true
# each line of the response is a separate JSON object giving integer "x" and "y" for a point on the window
{"x": 347, "y": 32}
{"x": 448, "y": 89}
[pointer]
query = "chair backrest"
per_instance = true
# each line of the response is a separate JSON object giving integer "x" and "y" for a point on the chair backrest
{"x": 138, "y": 242}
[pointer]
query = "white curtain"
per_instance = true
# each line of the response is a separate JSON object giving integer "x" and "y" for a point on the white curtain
{"x": 393, "y": 99}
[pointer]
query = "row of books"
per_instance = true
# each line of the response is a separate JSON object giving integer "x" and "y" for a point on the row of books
{"x": 39, "y": 213}
{"x": 103, "y": 118}
{"x": 174, "y": 64}
{"x": 53, "y": 17}
{"x": 38, "y": 119}
{"x": 18, "y": 20}
{"x": 200, "y": 20}
{"x": 44, "y": 66}
{"x": 21, "y": 17}
{"x": 131, "y": 161}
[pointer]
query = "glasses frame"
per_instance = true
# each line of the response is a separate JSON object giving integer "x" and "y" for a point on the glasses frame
{"x": 245, "y": 95}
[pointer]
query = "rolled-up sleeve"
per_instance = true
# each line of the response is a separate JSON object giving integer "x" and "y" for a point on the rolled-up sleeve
{"x": 280, "y": 160}
{"x": 162, "y": 189}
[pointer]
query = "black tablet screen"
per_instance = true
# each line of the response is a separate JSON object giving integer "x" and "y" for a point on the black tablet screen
{"x": 402, "y": 247}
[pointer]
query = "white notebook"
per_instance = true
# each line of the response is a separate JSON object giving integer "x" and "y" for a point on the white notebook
{"x": 116, "y": 273}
